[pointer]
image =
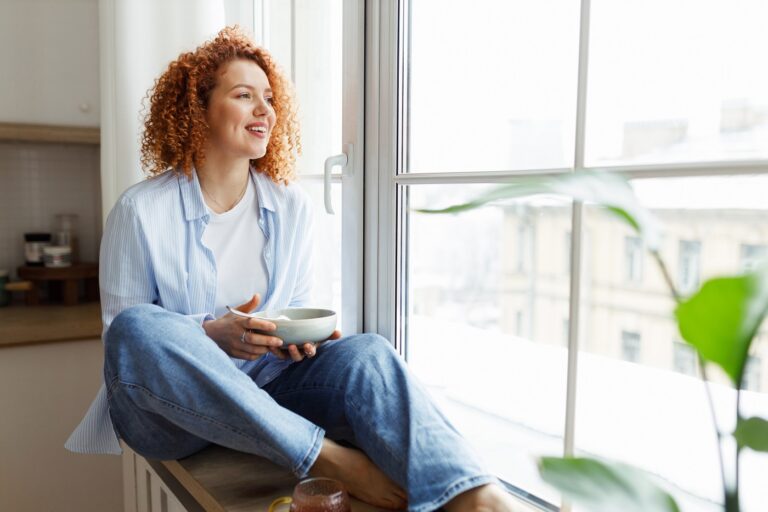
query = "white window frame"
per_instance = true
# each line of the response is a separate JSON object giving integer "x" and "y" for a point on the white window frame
{"x": 353, "y": 125}
{"x": 385, "y": 216}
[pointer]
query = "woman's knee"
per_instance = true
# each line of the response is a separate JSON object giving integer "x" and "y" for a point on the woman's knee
{"x": 370, "y": 349}
{"x": 132, "y": 328}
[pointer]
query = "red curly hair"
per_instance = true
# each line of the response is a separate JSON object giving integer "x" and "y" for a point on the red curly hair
{"x": 175, "y": 129}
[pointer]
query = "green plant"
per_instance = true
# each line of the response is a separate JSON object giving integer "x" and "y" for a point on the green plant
{"x": 720, "y": 321}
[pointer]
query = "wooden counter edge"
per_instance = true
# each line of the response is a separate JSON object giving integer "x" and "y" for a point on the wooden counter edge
{"x": 23, "y": 132}
{"x": 191, "y": 485}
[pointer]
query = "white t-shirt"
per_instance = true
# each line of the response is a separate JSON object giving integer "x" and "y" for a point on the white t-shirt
{"x": 237, "y": 242}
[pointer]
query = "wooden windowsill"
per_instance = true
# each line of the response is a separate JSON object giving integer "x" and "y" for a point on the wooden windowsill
{"x": 218, "y": 479}
{"x": 49, "y": 133}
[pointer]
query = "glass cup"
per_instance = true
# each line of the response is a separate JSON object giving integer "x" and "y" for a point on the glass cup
{"x": 316, "y": 495}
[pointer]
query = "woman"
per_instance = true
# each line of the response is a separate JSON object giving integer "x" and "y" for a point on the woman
{"x": 219, "y": 223}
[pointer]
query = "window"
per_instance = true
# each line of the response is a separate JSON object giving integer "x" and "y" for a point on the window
{"x": 523, "y": 243}
{"x": 753, "y": 374}
{"x": 630, "y": 346}
{"x": 684, "y": 358}
{"x": 684, "y": 114}
{"x": 315, "y": 41}
{"x": 633, "y": 259}
{"x": 751, "y": 255}
{"x": 690, "y": 252}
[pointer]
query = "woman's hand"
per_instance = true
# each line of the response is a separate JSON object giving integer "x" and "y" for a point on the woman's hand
{"x": 230, "y": 332}
{"x": 309, "y": 350}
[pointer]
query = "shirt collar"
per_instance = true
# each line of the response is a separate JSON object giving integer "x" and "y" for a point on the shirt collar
{"x": 194, "y": 204}
{"x": 265, "y": 189}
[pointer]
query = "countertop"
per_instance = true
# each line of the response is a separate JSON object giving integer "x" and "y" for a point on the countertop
{"x": 25, "y": 325}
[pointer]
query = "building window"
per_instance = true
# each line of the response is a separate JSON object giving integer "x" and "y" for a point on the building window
{"x": 751, "y": 255}
{"x": 684, "y": 358}
{"x": 630, "y": 346}
{"x": 633, "y": 258}
{"x": 689, "y": 265}
{"x": 752, "y": 373}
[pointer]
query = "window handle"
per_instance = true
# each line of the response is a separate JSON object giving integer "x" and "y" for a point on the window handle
{"x": 341, "y": 160}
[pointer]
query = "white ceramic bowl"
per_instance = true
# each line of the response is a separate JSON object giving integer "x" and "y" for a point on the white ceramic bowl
{"x": 302, "y": 324}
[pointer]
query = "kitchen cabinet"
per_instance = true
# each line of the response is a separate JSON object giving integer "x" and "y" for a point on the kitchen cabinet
{"x": 49, "y": 51}
{"x": 50, "y": 370}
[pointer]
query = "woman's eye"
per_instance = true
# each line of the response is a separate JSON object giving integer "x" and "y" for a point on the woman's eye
{"x": 270, "y": 100}
{"x": 245, "y": 95}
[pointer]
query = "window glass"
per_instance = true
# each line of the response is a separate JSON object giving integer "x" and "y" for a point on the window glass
{"x": 480, "y": 330}
{"x": 327, "y": 242}
{"x": 639, "y": 397}
{"x": 677, "y": 81}
{"x": 317, "y": 39}
{"x": 492, "y": 87}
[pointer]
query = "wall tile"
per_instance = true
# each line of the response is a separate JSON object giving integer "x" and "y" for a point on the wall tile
{"x": 40, "y": 180}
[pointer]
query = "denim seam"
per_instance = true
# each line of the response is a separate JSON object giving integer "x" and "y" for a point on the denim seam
{"x": 453, "y": 490}
{"x": 190, "y": 412}
{"x": 111, "y": 386}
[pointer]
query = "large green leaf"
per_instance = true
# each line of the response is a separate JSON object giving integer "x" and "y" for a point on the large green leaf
{"x": 721, "y": 319}
{"x": 601, "y": 486}
{"x": 607, "y": 190}
{"x": 752, "y": 433}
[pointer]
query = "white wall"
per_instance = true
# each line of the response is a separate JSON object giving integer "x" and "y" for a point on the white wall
{"x": 44, "y": 392}
{"x": 49, "y": 61}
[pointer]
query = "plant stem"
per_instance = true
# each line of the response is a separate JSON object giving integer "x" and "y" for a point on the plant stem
{"x": 727, "y": 495}
{"x": 731, "y": 500}
{"x": 738, "y": 446}
{"x": 667, "y": 277}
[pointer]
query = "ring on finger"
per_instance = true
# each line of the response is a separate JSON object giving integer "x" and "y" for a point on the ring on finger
{"x": 242, "y": 336}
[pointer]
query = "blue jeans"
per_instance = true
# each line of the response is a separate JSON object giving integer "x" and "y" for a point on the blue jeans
{"x": 172, "y": 391}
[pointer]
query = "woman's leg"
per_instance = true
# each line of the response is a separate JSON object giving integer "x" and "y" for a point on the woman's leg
{"x": 359, "y": 389}
{"x": 172, "y": 390}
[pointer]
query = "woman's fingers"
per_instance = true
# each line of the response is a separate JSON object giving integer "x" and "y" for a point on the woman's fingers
{"x": 259, "y": 323}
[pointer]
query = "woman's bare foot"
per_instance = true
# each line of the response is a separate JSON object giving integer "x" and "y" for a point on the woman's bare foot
{"x": 486, "y": 498}
{"x": 359, "y": 475}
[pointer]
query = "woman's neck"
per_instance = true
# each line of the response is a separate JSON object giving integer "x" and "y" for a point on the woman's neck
{"x": 223, "y": 181}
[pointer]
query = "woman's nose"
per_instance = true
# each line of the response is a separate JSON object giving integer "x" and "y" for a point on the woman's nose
{"x": 261, "y": 106}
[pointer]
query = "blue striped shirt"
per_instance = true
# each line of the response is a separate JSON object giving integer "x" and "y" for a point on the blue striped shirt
{"x": 152, "y": 252}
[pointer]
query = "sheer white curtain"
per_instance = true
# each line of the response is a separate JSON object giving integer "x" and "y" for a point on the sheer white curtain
{"x": 137, "y": 40}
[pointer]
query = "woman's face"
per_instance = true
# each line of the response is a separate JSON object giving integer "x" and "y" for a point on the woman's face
{"x": 240, "y": 114}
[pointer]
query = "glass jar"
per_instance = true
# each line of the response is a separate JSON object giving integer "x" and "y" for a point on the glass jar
{"x": 66, "y": 234}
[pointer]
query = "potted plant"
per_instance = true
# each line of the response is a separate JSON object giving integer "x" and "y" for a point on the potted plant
{"x": 719, "y": 321}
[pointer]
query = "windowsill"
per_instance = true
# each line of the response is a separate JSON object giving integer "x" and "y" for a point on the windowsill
{"x": 221, "y": 479}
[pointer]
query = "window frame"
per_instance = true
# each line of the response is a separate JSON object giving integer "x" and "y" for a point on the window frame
{"x": 387, "y": 183}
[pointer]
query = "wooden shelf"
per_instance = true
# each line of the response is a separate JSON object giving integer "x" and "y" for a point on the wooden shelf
{"x": 49, "y": 133}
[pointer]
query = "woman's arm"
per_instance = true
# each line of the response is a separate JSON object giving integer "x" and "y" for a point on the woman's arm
{"x": 126, "y": 275}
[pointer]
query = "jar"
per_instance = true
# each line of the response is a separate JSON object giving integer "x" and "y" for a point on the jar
{"x": 33, "y": 247}
{"x": 66, "y": 233}
{"x": 56, "y": 256}
{"x": 5, "y": 295}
